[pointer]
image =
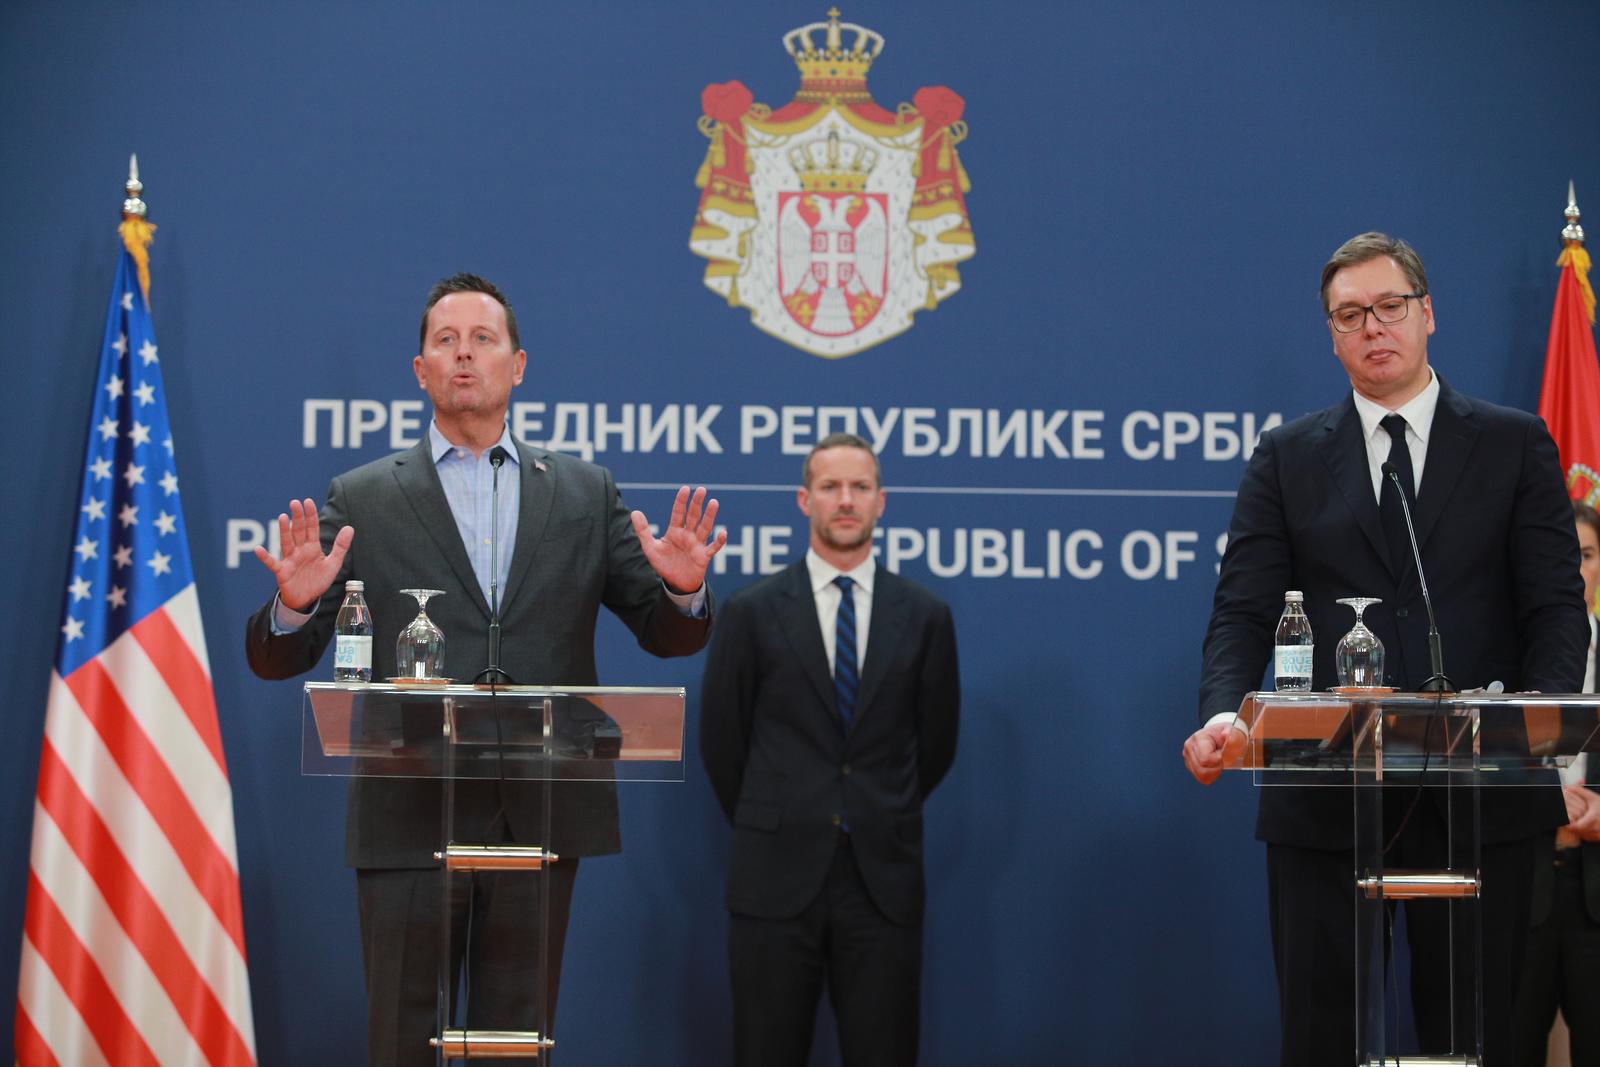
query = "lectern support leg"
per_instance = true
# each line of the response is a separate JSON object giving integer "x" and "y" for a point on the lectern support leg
{"x": 499, "y": 1039}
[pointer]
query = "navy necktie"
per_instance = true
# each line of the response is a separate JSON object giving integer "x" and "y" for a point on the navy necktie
{"x": 846, "y": 671}
{"x": 1394, "y": 522}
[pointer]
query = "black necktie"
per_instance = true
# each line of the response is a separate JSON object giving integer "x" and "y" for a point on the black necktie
{"x": 846, "y": 672}
{"x": 1394, "y": 521}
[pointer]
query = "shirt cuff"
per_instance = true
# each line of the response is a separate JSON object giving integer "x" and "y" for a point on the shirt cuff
{"x": 1230, "y": 717}
{"x": 286, "y": 620}
{"x": 692, "y": 604}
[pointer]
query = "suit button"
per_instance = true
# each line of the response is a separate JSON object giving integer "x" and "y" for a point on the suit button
{"x": 845, "y": 769}
{"x": 1401, "y": 613}
{"x": 837, "y": 821}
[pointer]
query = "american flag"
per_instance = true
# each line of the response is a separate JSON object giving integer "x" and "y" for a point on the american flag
{"x": 133, "y": 941}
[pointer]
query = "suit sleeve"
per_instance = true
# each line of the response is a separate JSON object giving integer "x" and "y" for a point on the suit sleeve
{"x": 938, "y": 703}
{"x": 275, "y": 656}
{"x": 1256, "y": 568}
{"x": 727, "y": 702}
{"x": 636, "y": 593}
{"x": 1548, "y": 586}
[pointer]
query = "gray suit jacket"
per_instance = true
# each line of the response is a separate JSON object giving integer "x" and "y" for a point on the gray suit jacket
{"x": 575, "y": 551}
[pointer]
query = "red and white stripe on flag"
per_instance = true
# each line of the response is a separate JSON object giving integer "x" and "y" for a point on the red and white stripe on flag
{"x": 133, "y": 941}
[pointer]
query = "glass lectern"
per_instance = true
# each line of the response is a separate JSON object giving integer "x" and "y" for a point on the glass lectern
{"x": 509, "y": 734}
{"x": 1388, "y": 750}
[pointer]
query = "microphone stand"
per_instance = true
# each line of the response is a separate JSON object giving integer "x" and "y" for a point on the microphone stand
{"x": 493, "y": 674}
{"x": 1437, "y": 682}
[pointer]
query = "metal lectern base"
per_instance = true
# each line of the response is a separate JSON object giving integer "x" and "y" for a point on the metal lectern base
{"x": 497, "y": 1044}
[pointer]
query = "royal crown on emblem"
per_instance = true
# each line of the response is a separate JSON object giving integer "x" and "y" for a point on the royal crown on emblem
{"x": 833, "y": 72}
{"x": 829, "y": 165}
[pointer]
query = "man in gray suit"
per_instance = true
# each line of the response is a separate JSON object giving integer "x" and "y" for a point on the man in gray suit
{"x": 567, "y": 546}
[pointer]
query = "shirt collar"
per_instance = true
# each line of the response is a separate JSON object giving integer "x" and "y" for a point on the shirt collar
{"x": 823, "y": 573}
{"x": 1418, "y": 411}
{"x": 440, "y": 447}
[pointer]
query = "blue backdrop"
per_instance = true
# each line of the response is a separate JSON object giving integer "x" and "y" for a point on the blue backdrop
{"x": 1154, "y": 188}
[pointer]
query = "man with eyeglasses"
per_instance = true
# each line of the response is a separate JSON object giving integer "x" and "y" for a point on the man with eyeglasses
{"x": 1315, "y": 513}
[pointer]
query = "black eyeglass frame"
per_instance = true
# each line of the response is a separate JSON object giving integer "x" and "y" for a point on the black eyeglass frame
{"x": 1372, "y": 309}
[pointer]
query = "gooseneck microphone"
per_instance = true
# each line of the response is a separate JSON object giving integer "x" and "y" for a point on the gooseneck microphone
{"x": 1437, "y": 682}
{"x": 492, "y": 673}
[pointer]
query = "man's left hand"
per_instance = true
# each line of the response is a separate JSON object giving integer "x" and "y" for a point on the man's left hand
{"x": 682, "y": 553}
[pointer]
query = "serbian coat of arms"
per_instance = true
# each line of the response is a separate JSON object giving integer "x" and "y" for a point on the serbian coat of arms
{"x": 833, "y": 220}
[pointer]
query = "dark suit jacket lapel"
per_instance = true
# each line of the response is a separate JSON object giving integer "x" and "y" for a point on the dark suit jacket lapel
{"x": 1450, "y": 442}
{"x": 533, "y": 515}
{"x": 419, "y": 481}
{"x": 887, "y": 629}
{"x": 1345, "y": 452}
{"x": 797, "y": 615}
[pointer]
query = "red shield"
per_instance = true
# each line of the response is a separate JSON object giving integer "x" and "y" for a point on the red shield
{"x": 833, "y": 259}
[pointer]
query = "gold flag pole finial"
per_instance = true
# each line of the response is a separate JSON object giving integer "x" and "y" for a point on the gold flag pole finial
{"x": 137, "y": 231}
{"x": 1574, "y": 255}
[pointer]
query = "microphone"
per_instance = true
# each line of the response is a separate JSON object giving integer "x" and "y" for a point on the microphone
{"x": 1437, "y": 682}
{"x": 492, "y": 673}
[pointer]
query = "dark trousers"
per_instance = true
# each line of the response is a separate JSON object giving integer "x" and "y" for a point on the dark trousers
{"x": 1562, "y": 970}
{"x": 401, "y": 929}
{"x": 872, "y": 969}
{"x": 1311, "y": 899}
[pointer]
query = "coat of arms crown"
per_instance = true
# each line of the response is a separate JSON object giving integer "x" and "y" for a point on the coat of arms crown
{"x": 833, "y": 71}
{"x": 829, "y": 165}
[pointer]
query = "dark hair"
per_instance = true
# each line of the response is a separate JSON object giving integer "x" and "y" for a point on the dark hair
{"x": 1372, "y": 245}
{"x": 840, "y": 440}
{"x": 468, "y": 283}
{"x": 1586, "y": 515}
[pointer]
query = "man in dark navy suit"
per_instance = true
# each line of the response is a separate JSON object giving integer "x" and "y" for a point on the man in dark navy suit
{"x": 827, "y": 715}
{"x": 1315, "y": 513}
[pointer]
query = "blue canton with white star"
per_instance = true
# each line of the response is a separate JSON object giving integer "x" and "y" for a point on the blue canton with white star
{"x": 130, "y": 552}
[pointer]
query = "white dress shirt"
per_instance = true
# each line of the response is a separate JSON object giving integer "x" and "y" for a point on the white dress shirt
{"x": 1418, "y": 413}
{"x": 827, "y": 596}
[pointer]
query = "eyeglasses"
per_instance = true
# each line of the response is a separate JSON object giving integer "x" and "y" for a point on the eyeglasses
{"x": 1390, "y": 309}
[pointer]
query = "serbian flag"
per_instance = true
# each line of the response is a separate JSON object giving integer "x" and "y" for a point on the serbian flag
{"x": 133, "y": 942}
{"x": 1569, "y": 401}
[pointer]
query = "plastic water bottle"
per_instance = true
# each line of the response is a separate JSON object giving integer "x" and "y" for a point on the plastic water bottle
{"x": 1291, "y": 651}
{"x": 352, "y": 642}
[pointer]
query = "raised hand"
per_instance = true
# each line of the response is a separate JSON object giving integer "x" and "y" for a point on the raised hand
{"x": 303, "y": 572}
{"x": 682, "y": 553}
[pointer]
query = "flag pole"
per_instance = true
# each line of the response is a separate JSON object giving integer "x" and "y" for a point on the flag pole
{"x": 1574, "y": 254}
{"x": 133, "y": 947}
